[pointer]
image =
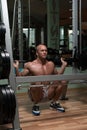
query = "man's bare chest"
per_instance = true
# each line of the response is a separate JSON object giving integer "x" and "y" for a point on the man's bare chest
{"x": 41, "y": 70}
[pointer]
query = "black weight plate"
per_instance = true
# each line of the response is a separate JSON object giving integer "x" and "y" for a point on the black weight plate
{"x": 1, "y": 106}
{"x": 12, "y": 103}
{"x": 13, "y": 106}
{"x": 5, "y": 105}
{"x": 2, "y": 59}
{"x": 6, "y": 66}
{"x": 9, "y": 105}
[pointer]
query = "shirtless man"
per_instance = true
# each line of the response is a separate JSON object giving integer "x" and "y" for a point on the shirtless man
{"x": 51, "y": 90}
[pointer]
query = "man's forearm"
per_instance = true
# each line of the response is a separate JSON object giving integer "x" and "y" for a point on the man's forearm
{"x": 62, "y": 69}
{"x": 17, "y": 72}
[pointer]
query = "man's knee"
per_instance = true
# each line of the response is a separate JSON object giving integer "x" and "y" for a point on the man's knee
{"x": 64, "y": 82}
{"x": 35, "y": 94}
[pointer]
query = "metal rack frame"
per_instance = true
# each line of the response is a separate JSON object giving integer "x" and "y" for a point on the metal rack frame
{"x": 16, "y": 80}
{"x": 12, "y": 78}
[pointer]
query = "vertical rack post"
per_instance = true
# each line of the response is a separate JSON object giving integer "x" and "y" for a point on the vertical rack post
{"x": 75, "y": 22}
{"x": 12, "y": 78}
{"x": 80, "y": 26}
{"x": 14, "y": 23}
{"x": 20, "y": 30}
{"x": 75, "y": 29}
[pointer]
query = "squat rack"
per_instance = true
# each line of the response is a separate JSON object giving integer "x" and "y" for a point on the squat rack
{"x": 16, "y": 80}
{"x": 12, "y": 80}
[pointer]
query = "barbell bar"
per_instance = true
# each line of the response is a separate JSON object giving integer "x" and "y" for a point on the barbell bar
{"x": 29, "y": 79}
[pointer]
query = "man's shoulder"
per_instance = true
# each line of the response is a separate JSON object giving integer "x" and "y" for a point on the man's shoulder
{"x": 50, "y": 62}
{"x": 29, "y": 63}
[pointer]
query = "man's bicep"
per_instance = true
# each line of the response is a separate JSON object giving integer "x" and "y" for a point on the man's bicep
{"x": 25, "y": 70}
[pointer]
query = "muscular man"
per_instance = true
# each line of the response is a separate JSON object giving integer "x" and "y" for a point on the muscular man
{"x": 50, "y": 90}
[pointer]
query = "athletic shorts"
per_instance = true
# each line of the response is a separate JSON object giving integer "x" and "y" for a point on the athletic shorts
{"x": 45, "y": 91}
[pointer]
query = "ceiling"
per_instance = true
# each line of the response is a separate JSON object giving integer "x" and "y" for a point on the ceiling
{"x": 38, "y": 11}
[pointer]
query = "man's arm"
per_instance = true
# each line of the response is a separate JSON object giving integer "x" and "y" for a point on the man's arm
{"x": 63, "y": 66}
{"x": 25, "y": 71}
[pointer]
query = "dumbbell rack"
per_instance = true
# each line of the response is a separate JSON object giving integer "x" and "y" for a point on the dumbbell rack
{"x": 12, "y": 81}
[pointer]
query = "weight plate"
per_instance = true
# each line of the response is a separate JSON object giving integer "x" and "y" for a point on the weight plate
{"x": 1, "y": 106}
{"x": 13, "y": 106}
{"x": 9, "y": 105}
{"x": 7, "y": 64}
{"x": 2, "y": 57}
{"x": 4, "y": 64}
{"x": 7, "y": 108}
{"x": 5, "y": 105}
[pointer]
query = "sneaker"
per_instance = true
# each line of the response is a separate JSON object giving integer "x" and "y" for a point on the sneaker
{"x": 64, "y": 98}
{"x": 35, "y": 110}
{"x": 57, "y": 106}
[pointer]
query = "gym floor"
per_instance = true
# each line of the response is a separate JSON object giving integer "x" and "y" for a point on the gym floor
{"x": 75, "y": 117}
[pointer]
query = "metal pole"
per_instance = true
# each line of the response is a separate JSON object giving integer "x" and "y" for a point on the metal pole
{"x": 67, "y": 77}
{"x": 75, "y": 30}
{"x": 12, "y": 79}
{"x": 75, "y": 22}
{"x": 20, "y": 30}
{"x": 14, "y": 23}
{"x": 80, "y": 28}
{"x": 29, "y": 29}
{"x": 0, "y": 12}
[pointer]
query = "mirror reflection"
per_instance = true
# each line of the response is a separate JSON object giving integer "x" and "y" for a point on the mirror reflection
{"x": 54, "y": 24}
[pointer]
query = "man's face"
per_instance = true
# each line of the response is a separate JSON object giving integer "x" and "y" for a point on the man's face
{"x": 42, "y": 52}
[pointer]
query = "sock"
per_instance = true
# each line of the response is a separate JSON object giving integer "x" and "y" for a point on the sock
{"x": 36, "y": 104}
{"x": 55, "y": 102}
